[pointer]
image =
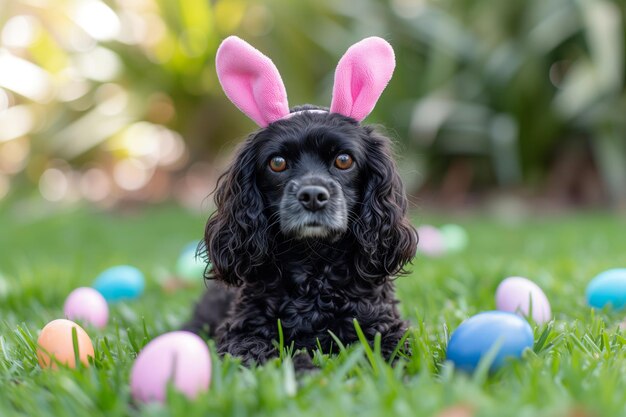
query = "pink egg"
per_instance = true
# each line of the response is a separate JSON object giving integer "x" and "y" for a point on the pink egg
{"x": 180, "y": 358}
{"x": 515, "y": 295}
{"x": 431, "y": 241}
{"x": 88, "y": 306}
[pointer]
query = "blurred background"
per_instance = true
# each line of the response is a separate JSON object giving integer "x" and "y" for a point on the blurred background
{"x": 514, "y": 104}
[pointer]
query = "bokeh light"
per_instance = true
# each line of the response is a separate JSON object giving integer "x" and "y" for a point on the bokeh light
{"x": 19, "y": 31}
{"x": 95, "y": 185}
{"x": 25, "y": 78}
{"x": 16, "y": 122}
{"x": 132, "y": 173}
{"x": 54, "y": 184}
{"x": 99, "y": 64}
{"x": 97, "y": 19}
{"x": 14, "y": 155}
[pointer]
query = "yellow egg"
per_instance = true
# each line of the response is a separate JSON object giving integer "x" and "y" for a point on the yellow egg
{"x": 56, "y": 340}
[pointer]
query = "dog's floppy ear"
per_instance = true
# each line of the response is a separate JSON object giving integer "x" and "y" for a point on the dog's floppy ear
{"x": 361, "y": 76}
{"x": 251, "y": 81}
{"x": 235, "y": 236}
{"x": 386, "y": 239}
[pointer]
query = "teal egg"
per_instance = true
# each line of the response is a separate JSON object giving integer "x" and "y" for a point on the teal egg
{"x": 455, "y": 237}
{"x": 189, "y": 266}
{"x": 122, "y": 282}
{"x": 608, "y": 289}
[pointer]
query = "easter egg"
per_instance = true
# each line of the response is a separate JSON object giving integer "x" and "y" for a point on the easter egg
{"x": 55, "y": 340}
{"x": 517, "y": 295}
{"x": 189, "y": 266}
{"x": 179, "y": 358}
{"x": 88, "y": 306}
{"x": 608, "y": 288}
{"x": 476, "y": 336}
{"x": 119, "y": 283}
{"x": 455, "y": 238}
{"x": 431, "y": 241}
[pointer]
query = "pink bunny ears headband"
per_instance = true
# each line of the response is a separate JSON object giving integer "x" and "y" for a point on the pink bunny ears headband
{"x": 252, "y": 81}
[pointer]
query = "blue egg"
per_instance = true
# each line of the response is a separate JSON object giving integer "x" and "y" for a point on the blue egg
{"x": 474, "y": 338}
{"x": 608, "y": 288}
{"x": 119, "y": 283}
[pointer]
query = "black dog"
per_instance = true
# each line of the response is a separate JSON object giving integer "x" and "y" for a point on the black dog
{"x": 310, "y": 229}
{"x": 311, "y": 220}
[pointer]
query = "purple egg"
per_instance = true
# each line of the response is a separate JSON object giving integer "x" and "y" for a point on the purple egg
{"x": 431, "y": 241}
{"x": 88, "y": 306}
{"x": 515, "y": 295}
{"x": 180, "y": 358}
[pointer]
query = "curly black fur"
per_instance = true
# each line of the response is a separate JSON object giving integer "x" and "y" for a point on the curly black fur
{"x": 314, "y": 285}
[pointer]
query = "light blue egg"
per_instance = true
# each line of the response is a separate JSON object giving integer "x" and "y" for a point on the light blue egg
{"x": 189, "y": 266}
{"x": 120, "y": 283}
{"x": 476, "y": 336}
{"x": 608, "y": 288}
{"x": 454, "y": 237}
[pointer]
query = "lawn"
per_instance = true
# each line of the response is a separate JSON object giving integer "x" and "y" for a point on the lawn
{"x": 577, "y": 368}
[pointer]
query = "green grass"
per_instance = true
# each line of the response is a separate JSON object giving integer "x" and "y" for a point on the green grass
{"x": 578, "y": 365}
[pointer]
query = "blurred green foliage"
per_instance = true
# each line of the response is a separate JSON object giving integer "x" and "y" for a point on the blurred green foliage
{"x": 507, "y": 86}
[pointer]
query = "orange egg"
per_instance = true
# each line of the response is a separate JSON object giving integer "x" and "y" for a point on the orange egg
{"x": 56, "y": 340}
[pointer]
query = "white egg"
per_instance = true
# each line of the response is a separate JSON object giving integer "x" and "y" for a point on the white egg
{"x": 518, "y": 294}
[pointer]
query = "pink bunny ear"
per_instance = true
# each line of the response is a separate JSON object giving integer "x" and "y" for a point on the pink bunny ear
{"x": 361, "y": 76}
{"x": 251, "y": 81}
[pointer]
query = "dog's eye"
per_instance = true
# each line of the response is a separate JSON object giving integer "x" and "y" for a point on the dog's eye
{"x": 344, "y": 161}
{"x": 278, "y": 164}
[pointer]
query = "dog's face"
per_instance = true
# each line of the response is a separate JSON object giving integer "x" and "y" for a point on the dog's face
{"x": 319, "y": 176}
{"x": 310, "y": 175}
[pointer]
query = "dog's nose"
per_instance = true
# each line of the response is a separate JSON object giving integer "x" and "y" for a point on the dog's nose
{"x": 313, "y": 197}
